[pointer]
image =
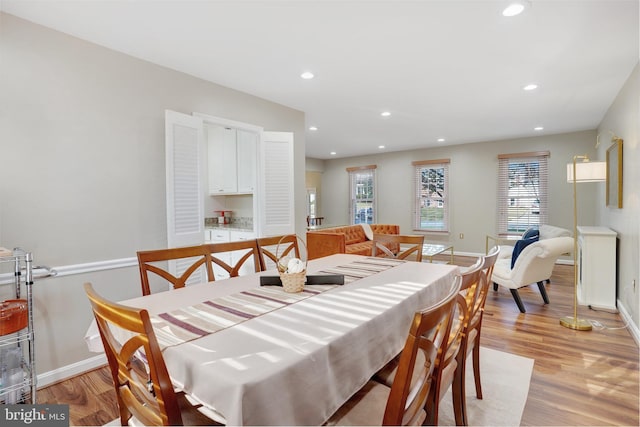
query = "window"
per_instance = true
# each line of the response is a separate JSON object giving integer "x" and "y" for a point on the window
{"x": 431, "y": 206}
{"x": 362, "y": 193}
{"x": 522, "y": 191}
{"x": 311, "y": 202}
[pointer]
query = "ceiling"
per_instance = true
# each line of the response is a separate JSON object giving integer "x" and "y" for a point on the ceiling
{"x": 447, "y": 69}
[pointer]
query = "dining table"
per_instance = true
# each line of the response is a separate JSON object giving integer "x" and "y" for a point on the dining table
{"x": 257, "y": 355}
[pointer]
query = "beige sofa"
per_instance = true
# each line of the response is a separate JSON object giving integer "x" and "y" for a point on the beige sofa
{"x": 350, "y": 239}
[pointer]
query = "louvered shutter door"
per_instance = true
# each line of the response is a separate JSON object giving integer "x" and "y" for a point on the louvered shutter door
{"x": 277, "y": 197}
{"x": 185, "y": 204}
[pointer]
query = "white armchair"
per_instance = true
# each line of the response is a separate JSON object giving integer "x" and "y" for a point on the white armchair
{"x": 533, "y": 265}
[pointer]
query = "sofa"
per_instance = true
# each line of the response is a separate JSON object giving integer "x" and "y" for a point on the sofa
{"x": 350, "y": 239}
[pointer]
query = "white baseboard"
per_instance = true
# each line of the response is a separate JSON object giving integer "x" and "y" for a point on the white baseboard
{"x": 626, "y": 317}
{"x": 65, "y": 372}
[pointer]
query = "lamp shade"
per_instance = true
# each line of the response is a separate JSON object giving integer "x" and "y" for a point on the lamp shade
{"x": 588, "y": 172}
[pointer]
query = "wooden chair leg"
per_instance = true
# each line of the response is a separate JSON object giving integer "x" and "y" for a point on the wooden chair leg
{"x": 458, "y": 391}
{"x": 543, "y": 291}
{"x": 516, "y": 297}
{"x": 431, "y": 408}
{"x": 476, "y": 367}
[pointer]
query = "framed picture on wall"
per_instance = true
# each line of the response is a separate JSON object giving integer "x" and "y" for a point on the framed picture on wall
{"x": 614, "y": 174}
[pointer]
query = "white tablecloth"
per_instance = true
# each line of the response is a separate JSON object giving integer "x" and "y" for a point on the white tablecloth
{"x": 297, "y": 365}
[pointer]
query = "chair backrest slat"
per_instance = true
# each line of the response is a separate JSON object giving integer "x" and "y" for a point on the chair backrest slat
{"x": 395, "y": 246}
{"x": 154, "y": 261}
{"x": 248, "y": 250}
{"x": 274, "y": 247}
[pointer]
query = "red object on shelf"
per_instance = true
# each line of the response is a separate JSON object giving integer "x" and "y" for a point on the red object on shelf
{"x": 13, "y": 316}
{"x": 224, "y": 217}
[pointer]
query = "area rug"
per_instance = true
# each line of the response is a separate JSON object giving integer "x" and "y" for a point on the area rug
{"x": 505, "y": 386}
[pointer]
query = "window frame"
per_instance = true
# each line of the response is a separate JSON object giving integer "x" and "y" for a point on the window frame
{"x": 356, "y": 174}
{"x": 419, "y": 197}
{"x": 312, "y": 202}
{"x": 509, "y": 200}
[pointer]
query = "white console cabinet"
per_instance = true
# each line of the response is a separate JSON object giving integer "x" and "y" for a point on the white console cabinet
{"x": 597, "y": 267}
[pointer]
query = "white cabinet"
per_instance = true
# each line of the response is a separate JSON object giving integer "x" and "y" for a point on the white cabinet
{"x": 220, "y": 236}
{"x": 232, "y": 160}
{"x": 246, "y": 150}
{"x": 241, "y": 159}
{"x": 249, "y": 266}
{"x": 222, "y": 154}
{"x": 597, "y": 267}
{"x": 214, "y": 235}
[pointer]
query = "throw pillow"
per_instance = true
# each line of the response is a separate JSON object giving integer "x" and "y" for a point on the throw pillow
{"x": 519, "y": 247}
{"x": 367, "y": 231}
{"x": 531, "y": 232}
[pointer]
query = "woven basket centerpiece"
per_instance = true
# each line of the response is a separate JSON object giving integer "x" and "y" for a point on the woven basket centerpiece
{"x": 292, "y": 271}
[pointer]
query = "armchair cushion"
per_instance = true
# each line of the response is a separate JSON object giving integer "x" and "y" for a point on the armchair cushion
{"x": 520, "y": 245}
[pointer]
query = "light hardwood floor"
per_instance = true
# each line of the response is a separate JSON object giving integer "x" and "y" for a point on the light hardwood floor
{"x": 579, "y": 378}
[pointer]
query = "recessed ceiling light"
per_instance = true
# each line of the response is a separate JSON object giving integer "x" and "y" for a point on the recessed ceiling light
{"x": 530, "y": 86}
{"x": 440, "y": 139}
{"x": 333, "y": 153}
{"x": 313, "y": 128}
{"x": 385, "y": 114}
{"x": 515, "y": 8}
{"x": 381, "y": 147}
{"x": 307, "y": 75}
{"x": 538, "y": 128}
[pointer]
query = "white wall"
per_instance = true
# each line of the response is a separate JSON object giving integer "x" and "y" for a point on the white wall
{"x": 82, "y": 176}
{"x": 473, "y": 185}
{"x": 622, "y": 118}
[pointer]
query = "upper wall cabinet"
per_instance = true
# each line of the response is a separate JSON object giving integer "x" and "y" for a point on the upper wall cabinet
{"x": 232, "y": 160}
{"x": 246, "y": 149}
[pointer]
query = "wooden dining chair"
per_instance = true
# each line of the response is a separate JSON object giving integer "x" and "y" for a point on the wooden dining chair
{"x": 143, "y": 388}
{"x": 187, "y": 260}
{"x": 413, "y": 383}
{"x": 244, "y": 253}
{"x": 471, "y": 334}
{"x": 444, "y": 372}
{"x": 395, "y": 246}
{"x": 277, "y": 246}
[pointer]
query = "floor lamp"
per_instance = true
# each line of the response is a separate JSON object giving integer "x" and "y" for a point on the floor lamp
{"x": 585, "y": 171}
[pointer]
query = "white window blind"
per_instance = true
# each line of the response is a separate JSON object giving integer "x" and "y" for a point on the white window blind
{"x": 362, "y": 194}
{"x": 522, "y": 191}
{"x": 431, "y": 202}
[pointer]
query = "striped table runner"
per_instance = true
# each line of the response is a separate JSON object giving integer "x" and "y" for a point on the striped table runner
{"x": 189, "y": 323}
{"x": 360, "y": 269}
